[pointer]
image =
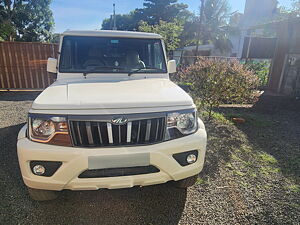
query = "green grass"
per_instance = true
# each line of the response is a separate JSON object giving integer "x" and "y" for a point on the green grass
{"x": 246, "y": 148}
{"x": 239, "y": 173}
{"x": 235, "y": 157}
{"x": 267, "y": 158}
{"x": 267, "y": 170}
{"x": 219, "y": 117}
{"x": 201, "y": 181}
{"x": 229, "y": 166}
{"x": 293, "y": 188}
{"x": 252, "y": 157}
{"x": 252, "y": 174}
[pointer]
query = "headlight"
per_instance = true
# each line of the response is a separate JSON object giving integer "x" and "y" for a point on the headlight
{"x": 181, "y": 123}
{"x": 42, "y": 128}
{"x": 49, "y": 129}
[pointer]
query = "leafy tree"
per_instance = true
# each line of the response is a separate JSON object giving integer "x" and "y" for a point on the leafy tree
{"x": 26, "y": 20}
{"x": 55, "y": 38}
{"x": 124, "y": 22}
{"x": 190, "y": 27}
{"x": 235, "y": 19}
{"x": 7, "y": 30}
{"x": 169, "y": 31}
{"x": 214, "y": 28}
{"x": 285, "y": 13}
{"x": 165, "y": 10}
{"x": 282, "y": 13}
{"x": 295, "y": 11}
{"x": 40, "y": 22}
{"x": 152, "y": 13}
{"x": 296, "y": 4}
{"x": 8, "y": 13}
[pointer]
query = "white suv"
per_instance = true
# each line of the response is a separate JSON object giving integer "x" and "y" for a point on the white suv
{"x": 112, "y": 119}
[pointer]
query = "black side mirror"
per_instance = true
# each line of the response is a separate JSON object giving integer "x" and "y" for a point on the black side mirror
{"x": 52, "y": 75}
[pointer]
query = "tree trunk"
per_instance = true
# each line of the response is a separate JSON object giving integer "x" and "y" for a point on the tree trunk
{"x": 200, "y": 28}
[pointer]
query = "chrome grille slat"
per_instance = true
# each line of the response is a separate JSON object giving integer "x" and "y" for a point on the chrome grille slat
{"x": 79, "y": 133}
{"x": 73, "y": 132}
{"x": 162, "y": 130}
{"x": 148, "y": 130}
{"x": 110, "y": 135}
{"x": 99, "y": 132}
{"x": 120, "y": 137}
{"x": 138, "y": 132}
{"x": 129, "y": 127}
{"x": 102, "y": 133}
{"x": 89, "y": 133}
{"x": 156, "y": 133}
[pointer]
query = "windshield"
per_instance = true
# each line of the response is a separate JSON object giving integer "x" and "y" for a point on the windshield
{"x": 108, "y": 54}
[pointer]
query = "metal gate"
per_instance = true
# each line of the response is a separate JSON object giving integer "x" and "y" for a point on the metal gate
{"x": 23, "y": 65}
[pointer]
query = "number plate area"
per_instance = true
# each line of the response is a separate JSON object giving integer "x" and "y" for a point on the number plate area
{"x": 117, "y": 161}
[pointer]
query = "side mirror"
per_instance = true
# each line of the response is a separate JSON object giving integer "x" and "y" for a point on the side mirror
{"x": 51, "y": 65}
{"x": 171, "y": 66}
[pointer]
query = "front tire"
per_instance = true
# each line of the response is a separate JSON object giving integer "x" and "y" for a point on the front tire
{"x": 42, "y": 195}
{"x": 187, "y": 182}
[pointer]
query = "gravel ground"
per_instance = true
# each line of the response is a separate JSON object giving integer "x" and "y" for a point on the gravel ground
{"x": 251, "y": 176}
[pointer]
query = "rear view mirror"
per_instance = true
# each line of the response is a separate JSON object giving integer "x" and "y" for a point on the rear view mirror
{"x": 52, "y": 65}
{"x": 172, "y": 66}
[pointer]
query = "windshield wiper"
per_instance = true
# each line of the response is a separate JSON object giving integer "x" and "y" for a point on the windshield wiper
{"x": 135, "y": 71}
{"x": 148, "y": 68}
{"x": 93, "y": 70}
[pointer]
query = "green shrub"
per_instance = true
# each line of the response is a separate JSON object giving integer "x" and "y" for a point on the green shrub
{"x": 260, "y": 69}
{"x": 217, "y": 81}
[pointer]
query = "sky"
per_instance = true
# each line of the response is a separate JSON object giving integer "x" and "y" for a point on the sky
{"x": 88, "y": 14}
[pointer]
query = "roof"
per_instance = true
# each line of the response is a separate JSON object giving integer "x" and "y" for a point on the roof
{"x": 278, "y": 23}
{"x": 200, "y": 47}
{"x": 111, "y": 33}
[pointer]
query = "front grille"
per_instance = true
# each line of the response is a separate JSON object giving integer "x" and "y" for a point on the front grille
{"x": 117, "y": 172}
{"x": 97, "y": 133}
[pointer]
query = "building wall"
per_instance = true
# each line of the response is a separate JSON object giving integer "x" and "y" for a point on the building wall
{"x": 256, "y": 12}
{"x": 279, "y": 59}
{"x": 291, "y": 73}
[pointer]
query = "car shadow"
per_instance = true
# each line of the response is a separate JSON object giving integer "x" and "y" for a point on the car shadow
{"x": 18, "y": 95}
{"x": 158, "y": 204}
{"x": 275, "y": 133}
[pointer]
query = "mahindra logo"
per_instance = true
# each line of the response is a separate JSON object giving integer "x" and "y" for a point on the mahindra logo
{"x": 119, "y": 121}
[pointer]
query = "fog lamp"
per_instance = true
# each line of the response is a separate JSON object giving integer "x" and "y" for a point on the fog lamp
{"x": 191, "y": 158}
{"x": 186, "y": 158}
{"x": 38, "y": 170}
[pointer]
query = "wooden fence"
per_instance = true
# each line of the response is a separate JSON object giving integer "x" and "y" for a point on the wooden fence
{"x": 23, "y": 65}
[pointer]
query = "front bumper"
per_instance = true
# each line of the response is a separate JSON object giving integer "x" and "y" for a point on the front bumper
{"x": 76, "y": 160}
